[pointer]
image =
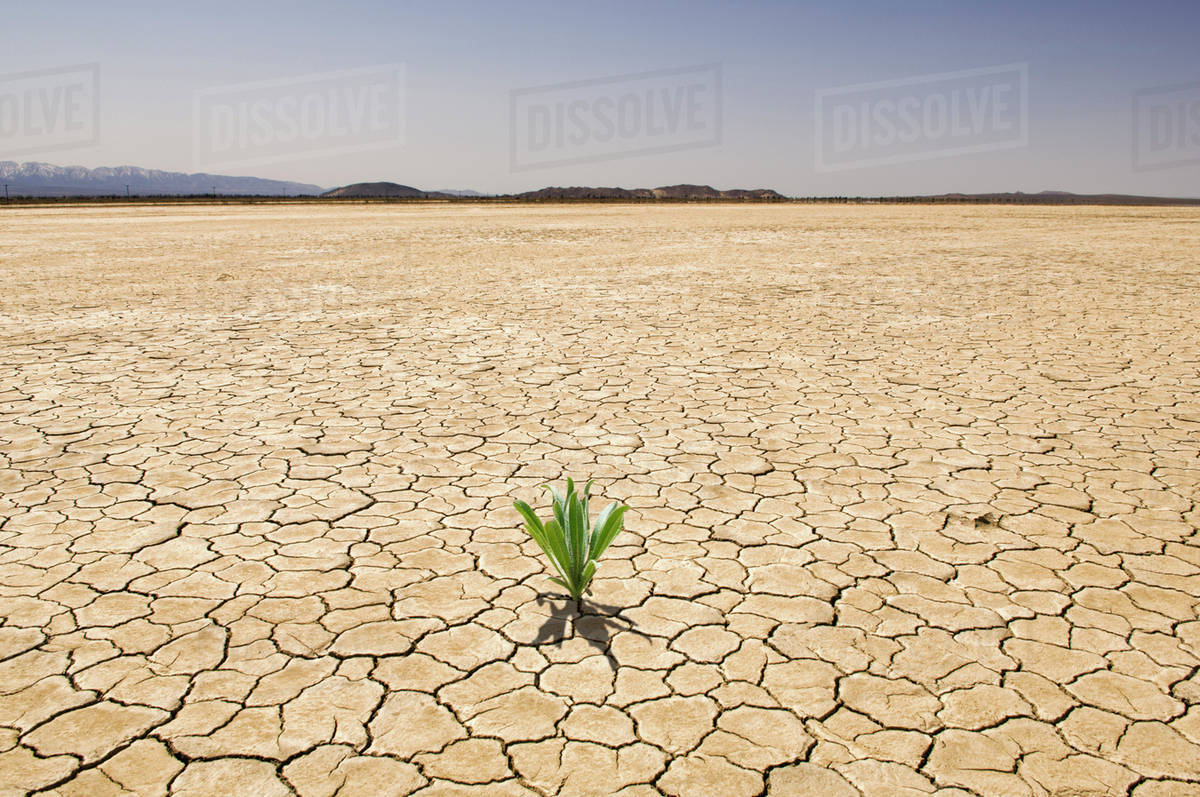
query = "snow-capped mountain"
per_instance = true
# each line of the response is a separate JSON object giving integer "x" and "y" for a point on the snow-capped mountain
{"x": 45, "y": 179}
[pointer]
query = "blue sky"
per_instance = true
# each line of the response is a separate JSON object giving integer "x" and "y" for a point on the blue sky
{"x": 1084, "y": 62}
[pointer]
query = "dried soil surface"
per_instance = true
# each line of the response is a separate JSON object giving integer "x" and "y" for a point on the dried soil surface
{"x": 915, "y": 500}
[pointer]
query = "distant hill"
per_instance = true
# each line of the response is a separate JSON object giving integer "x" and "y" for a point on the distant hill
{"x": 670, "y": 192}
{"x": 461, "y": 192}
{"x": 381, "y": 191}
{"x": 47, "y": 180}
{"x": 1050, "y": 198}
{"x": 667, "y": 192}
{"x": 585, "y": 192}
{"x": 708, "y": 192}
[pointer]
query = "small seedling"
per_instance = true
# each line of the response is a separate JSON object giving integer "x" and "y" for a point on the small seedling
{"x": 567, "y": 540}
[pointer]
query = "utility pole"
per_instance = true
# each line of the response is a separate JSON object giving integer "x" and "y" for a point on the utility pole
{"x": 6, "y": 192}
{"x": 127, "y": 190}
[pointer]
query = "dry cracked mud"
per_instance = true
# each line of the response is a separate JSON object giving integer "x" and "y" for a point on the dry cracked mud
{"x": 914, "y": 500}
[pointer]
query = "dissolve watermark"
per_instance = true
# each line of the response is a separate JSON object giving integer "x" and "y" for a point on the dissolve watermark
{"x": 301, "y": 117}
{"x": 929, "y": 116}
{"x": 1166, "y": 127}
{"x": 615, "y": 117}
{"x": 49, "y": 109}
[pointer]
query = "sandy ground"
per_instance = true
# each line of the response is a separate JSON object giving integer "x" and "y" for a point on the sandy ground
{"x": 915, "y": 500}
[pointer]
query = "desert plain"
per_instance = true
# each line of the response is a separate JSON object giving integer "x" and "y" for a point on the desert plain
{"x": 914, "y": 499}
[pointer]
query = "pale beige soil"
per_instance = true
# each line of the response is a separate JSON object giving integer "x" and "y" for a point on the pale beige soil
{"x": 915, "y": 500}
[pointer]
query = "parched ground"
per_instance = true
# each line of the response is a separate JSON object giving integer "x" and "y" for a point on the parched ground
{"x": 915, "y": 500}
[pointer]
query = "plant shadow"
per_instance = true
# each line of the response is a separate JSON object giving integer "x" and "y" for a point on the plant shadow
{"x": 594, "y": 622}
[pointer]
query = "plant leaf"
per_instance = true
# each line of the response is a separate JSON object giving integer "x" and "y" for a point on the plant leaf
{"x": 613, "y": 516}
{"x": 560, "y": 558}
{"x": 560, "y": 517}
{"x": 527, "y": 512}
{"x": 601, "y": 520}
{"x": 544, "y": 543}
{"x": 555, "y": 494}
{"x": 588, "y": 571}
{"x": 587, "y": 517}
{"x": 577, "y": 537}
{"x": 565, "y": 586}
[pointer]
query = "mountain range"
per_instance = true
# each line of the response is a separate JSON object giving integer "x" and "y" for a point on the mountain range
{"x": 47, "y": 180}
{"x": 670, "y": 192}
{"x": 1060, "y": 198}
{"x": 44, "y": 179}
{"x": 685, "y": 192}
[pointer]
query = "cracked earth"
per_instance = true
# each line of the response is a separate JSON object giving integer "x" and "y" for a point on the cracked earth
{"x": 914, "y": 500}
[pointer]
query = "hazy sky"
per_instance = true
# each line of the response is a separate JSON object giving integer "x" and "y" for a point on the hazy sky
{"x": 1048, "y": 101}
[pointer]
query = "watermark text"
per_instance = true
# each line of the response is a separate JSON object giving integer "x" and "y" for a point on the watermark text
{"x": 313, "y": 115}
{"x": 1166, "y": 127}
{"x": 49, "y": 109}
{"x": 930, "y": 116}
{"x": 615, "y": 117}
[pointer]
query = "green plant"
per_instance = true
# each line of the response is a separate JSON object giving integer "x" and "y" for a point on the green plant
{"x": 567, "y": 540}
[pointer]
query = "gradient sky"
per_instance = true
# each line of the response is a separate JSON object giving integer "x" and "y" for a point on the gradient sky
{"x": 1085, "y": 60}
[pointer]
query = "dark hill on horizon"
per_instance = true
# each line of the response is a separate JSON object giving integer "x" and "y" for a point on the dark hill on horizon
{"x": 685, "y": 192}
{"x": 382, "y": 190}
{"x": 1054, "y": 198}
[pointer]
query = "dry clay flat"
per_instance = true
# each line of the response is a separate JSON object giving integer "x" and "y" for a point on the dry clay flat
{"x": 913, "y": 499}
